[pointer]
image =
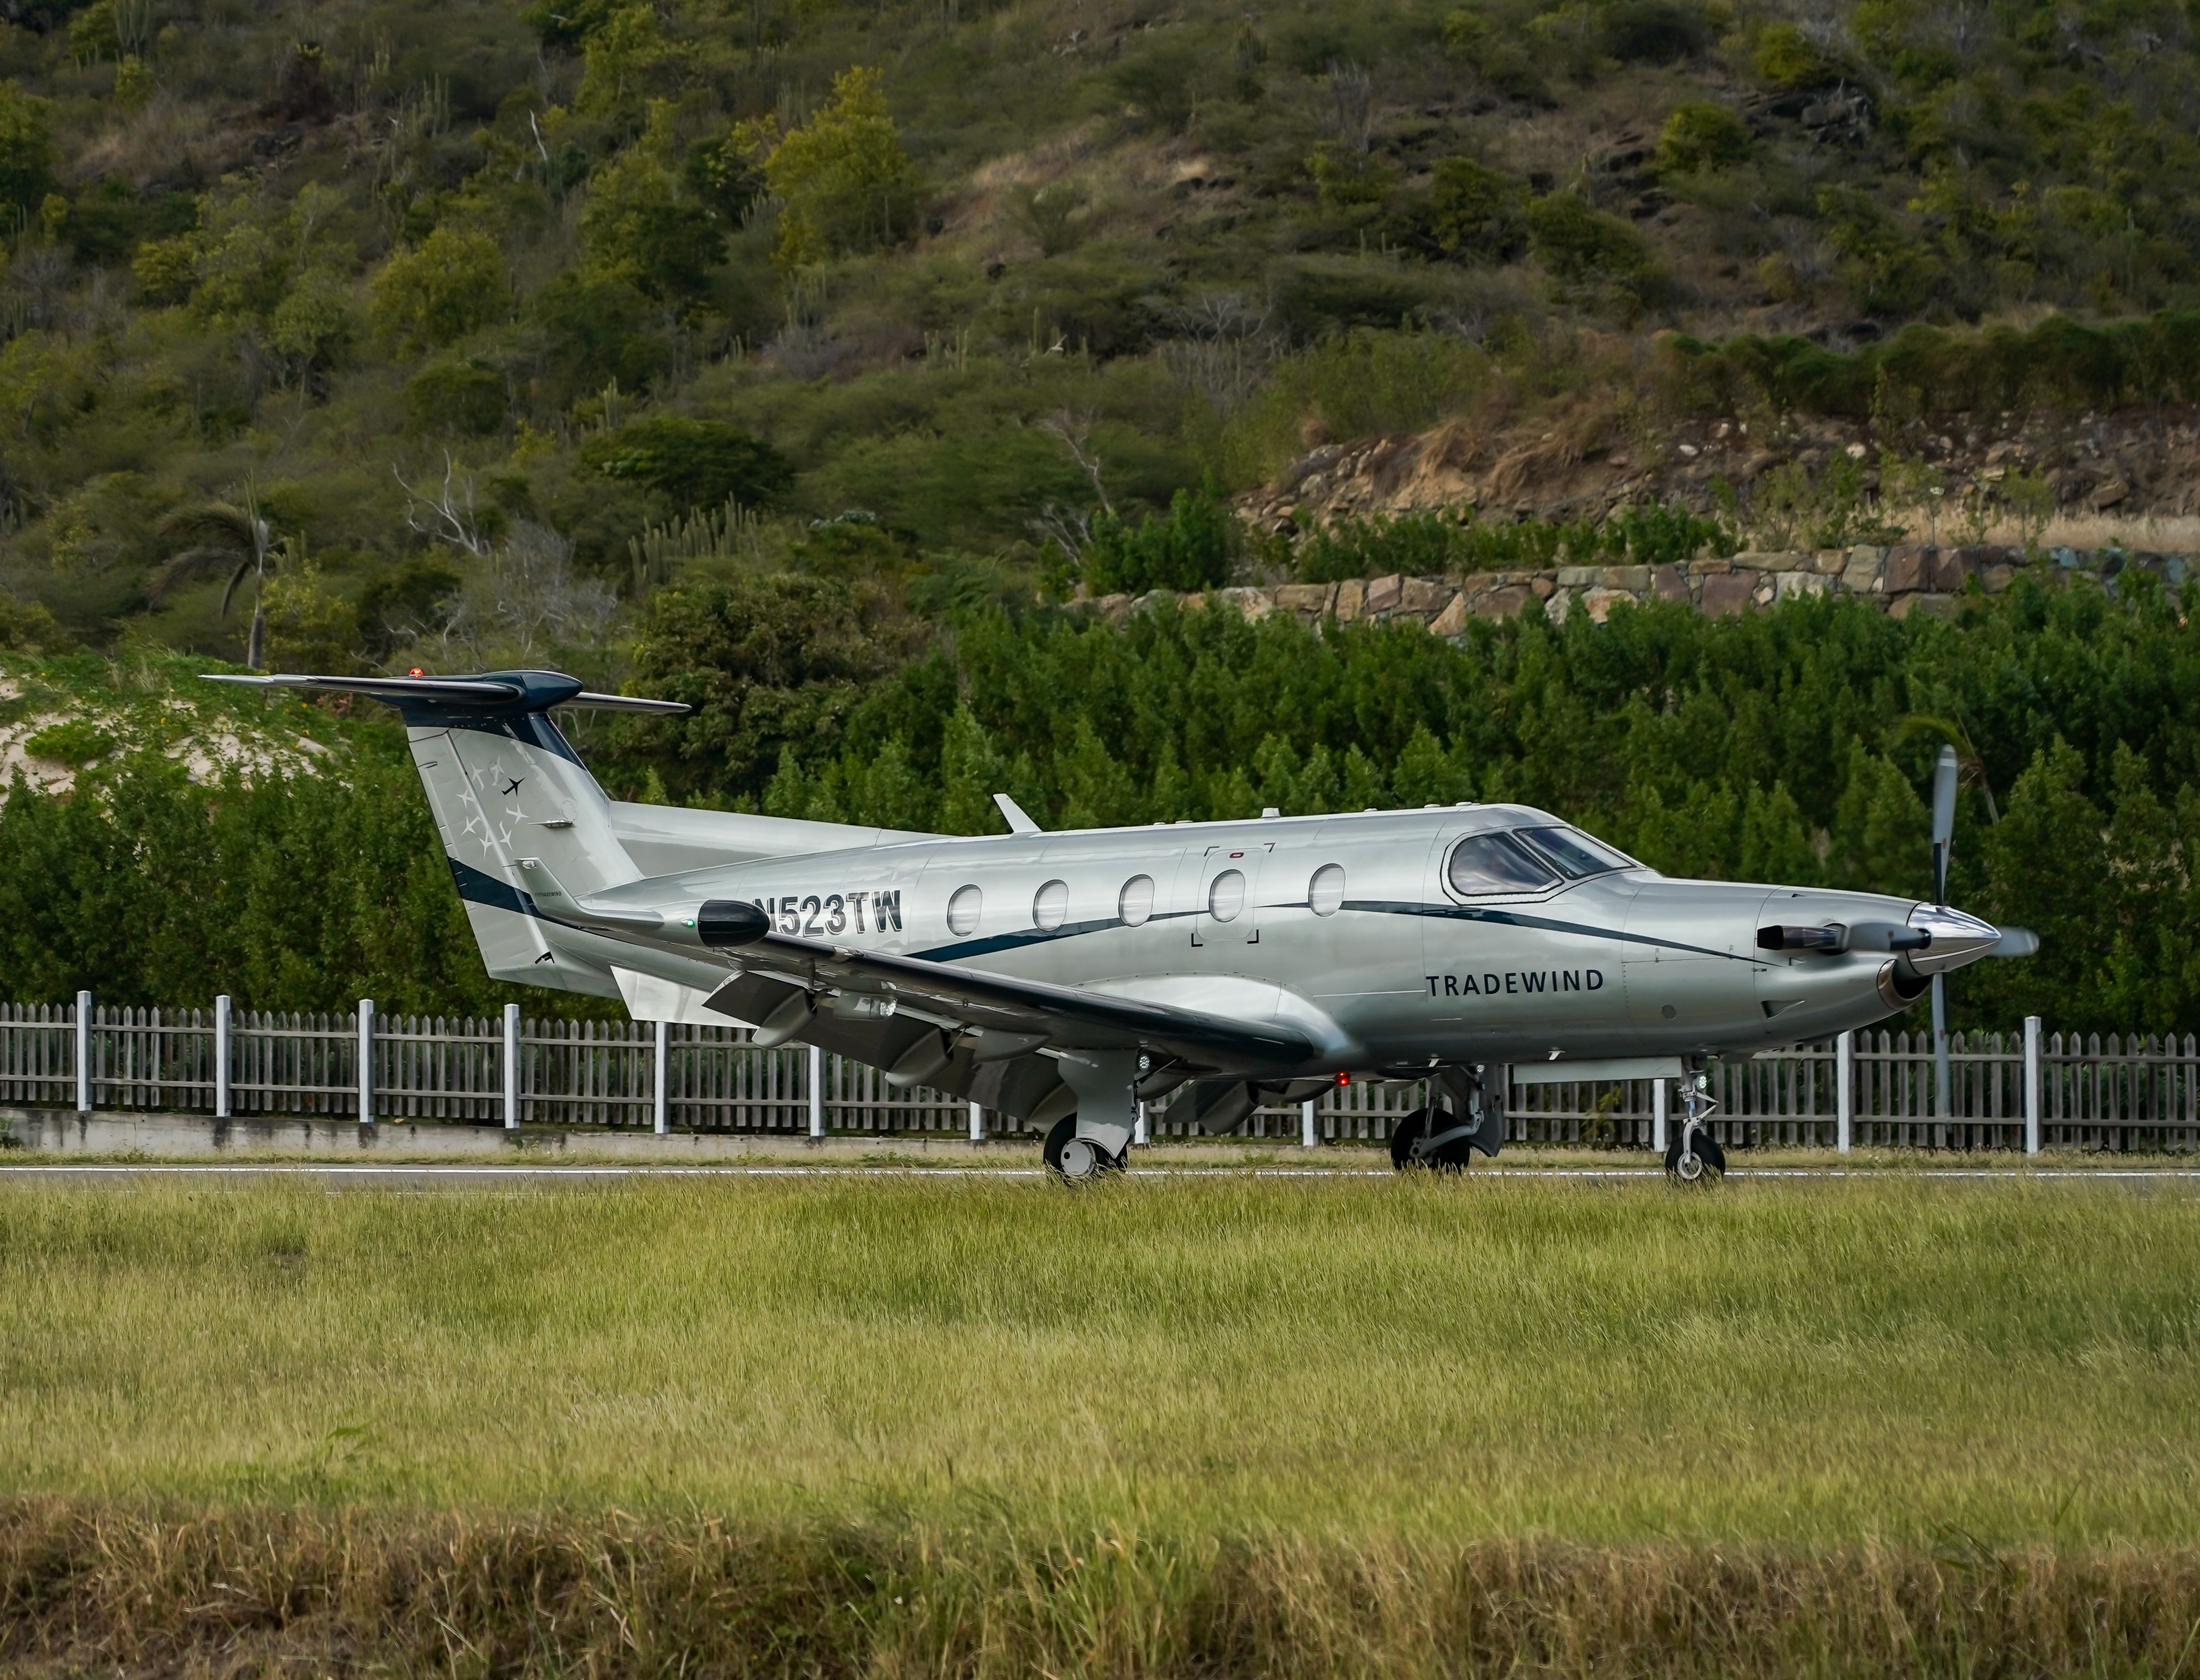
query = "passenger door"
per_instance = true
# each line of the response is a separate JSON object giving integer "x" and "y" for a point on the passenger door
{"x": 1226, "y": 914}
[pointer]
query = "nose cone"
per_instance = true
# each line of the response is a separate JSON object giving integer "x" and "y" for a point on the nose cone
{"x": 1957, "y": 938}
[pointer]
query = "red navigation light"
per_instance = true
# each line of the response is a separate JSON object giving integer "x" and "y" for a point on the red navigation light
{"x": 416, "y": 671}
{"x": 1344, "y": 1079}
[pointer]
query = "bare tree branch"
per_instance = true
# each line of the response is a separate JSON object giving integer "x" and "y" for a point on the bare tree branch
{"x": 447, "y": 516}
{"x": 1075, "y": 431}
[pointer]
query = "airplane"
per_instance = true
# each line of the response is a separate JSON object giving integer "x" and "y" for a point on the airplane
{"x": 1066, "y": 979}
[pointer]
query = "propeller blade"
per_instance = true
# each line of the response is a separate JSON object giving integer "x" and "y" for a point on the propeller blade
{"x": 2016, "y": 942}
{"x": 1944, "y": 797}
{"x": 1944, "y": 820}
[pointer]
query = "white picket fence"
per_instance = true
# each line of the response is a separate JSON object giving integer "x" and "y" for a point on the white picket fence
{"x": 2024, "y": 1090}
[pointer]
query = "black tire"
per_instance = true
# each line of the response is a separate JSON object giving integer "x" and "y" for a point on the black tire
{"x": 1452, "y": 1157}
{"x": 1058, "y": 1138}
{"x": 1710, "y": 1156}
{"x": 1409, "y": 1130}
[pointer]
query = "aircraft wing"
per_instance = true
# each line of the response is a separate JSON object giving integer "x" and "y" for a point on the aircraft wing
{"x": 1003, "y": 1005}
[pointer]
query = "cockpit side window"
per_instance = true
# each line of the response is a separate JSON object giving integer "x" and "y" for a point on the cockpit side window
{"x": 1574, "y": 853}
{"x": 1496, "y": 863}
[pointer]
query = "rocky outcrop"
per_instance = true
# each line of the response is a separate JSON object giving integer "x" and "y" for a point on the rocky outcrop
{"x": 1582, "y": 463}
{"x": 1907, "y": 578}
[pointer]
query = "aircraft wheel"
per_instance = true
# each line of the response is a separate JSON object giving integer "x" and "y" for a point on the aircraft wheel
{"x": 1708, "y": 1165}
{"x": 1073, "y": 1159}
{"x": 1412, "y": 1128}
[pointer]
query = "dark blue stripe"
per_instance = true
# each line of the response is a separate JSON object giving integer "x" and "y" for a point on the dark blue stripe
{"x": 483, "y": 889}
{"x": 532, "y": 729}
{"x": 1462, "y": 912}
{"x": 1016, "y": 941}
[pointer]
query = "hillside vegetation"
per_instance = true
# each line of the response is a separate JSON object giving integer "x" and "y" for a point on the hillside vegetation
{"x": 789, "y": 358}
{"x": 459, "y": 326}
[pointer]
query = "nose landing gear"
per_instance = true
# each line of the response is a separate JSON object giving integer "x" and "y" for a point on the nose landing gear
{"x": 1694, "y": 1157}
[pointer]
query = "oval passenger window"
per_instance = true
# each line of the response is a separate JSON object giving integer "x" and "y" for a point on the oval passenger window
{"x": 1325, "y": 892}
{"x": 963, "y": 910}
{"x": 1050, "y": 908}
{"x": 1227, "y": 897}
{"x": 1137, "y": 903}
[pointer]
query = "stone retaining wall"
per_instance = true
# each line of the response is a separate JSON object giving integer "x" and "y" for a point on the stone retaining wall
{"x": 1909, "y": 577}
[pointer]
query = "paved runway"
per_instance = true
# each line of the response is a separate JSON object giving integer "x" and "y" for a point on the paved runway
{"x": 398, "y": 1175}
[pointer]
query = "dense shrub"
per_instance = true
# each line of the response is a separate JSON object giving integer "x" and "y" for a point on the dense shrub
{"x": 2060, "y": 363}
{"x": 1434, "y": 544}
{"x": 692, "y": 463}
{"x": 1190, "y": 547}
{"x": 1699, "y": 135}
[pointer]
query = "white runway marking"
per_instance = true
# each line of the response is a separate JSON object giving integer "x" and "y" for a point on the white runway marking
{"x": 456, "y": 1176}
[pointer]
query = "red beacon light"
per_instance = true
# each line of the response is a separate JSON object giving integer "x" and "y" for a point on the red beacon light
{"x": 416, "y": 671}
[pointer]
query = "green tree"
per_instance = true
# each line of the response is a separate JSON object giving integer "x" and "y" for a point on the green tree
{"x": 1786, "y": 57}
{"x": 1699, "y": 135}
{"x": 637, "y": 225}
{"x": 1578, "y": 243}
{"x": 844, "y": 182}
{"x": 1882, "y": 833}
{"x": 1191, "y": 548}
{"x": 971, "y": 772}
{"x": 2045, "y": 868}
{"x": 451, "y": 283}
{"x": 626, "y": 59}
{"x": 27, "y": 147}
{"x": 1477, "y": 212}
{"x": 694, "y": 463}
{"x": 772, "y": 665}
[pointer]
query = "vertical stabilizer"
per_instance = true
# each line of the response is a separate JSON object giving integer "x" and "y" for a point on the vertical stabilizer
{"x": 504, "y": 783}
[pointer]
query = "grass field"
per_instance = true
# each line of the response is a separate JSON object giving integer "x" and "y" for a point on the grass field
{"x": 1316, "y": 1386}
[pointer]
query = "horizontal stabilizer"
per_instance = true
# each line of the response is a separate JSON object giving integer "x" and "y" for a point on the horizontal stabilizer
{"x": 493, "y": 691}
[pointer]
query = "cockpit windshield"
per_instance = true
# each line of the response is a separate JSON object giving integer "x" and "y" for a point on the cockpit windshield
{"x": 1574, "y": 852}
{"x": 1528, "y": 859}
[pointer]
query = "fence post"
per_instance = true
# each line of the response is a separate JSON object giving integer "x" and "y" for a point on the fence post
{"x": 510, "y": 1066}
{"x": 367, "y": 1061}
{"x": 1658, "y": 1100}
{"x": 1845, "y": 1092}
{"x": 84, "y": 1053}
{"x": 663, "y": 1041}
{"x": 977, "y": 1122}
{"x": 1141, "y": 1133}
{"x": 816, "y": 1092}
{"x": 221, "y": 1006}
{"x": 1309, "y": 1136}
{"x": 2032, "y": 1084}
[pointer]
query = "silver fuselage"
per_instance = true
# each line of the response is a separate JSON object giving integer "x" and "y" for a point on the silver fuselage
{"x": 1405, "y": 972}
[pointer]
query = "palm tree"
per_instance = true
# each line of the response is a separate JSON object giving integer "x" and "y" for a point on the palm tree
{"x": 222, "y": 535}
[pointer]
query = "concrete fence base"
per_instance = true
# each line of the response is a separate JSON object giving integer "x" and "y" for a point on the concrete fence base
{"x": 173, "y": 1136}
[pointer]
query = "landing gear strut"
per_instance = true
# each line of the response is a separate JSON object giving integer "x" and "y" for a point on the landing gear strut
{"x": 1695, "y": 1156}
{"x": 1073, "y": 1159}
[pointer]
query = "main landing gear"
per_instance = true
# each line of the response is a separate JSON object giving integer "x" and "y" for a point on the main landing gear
{"x": 1694, "y": 1157}
{"x": 1073, "y": 1159}
{"x": 1469, "y": 1115}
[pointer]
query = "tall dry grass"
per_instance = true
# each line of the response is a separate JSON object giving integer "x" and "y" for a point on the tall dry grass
{"x": 90, "y": 1588}
{"x": 1795, "y": 1363}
